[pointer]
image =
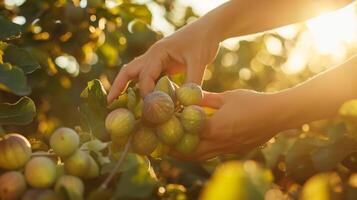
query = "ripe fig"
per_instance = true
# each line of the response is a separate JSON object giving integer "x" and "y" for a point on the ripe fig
{"x": 160, "y": 151}
{"x": 120, "y": 122}
{"x": 158, "y": 107}
{"x": 193, "y": 118}
{"x": 41, "y": 194}
{"x": 64, "y": 141}
{"x": 81, "y": 164}
{"x": 189, "y": 94}
{"x": 164, "y": 84}
{"x": 73, "y": 187}
{"x": 144, "y": 141}
{"x": 187, "y": 144}
{"x": 40, "y": 172}
{"x": 12, "y": 185}
{"x": 170, "y": 132}
{"x": 15, "y": 151}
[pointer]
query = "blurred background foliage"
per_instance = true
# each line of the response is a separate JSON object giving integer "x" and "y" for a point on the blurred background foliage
{"x": 75, "y": 41}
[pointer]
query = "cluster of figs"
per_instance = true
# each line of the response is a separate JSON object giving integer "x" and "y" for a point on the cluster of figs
{"x": 169, "y": 118}
{"x": 41, "y": 175}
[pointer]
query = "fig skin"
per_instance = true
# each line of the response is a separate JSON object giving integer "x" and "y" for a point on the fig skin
{"x": 120, "y": 122}
{"x": 64, "y": 141}
{"x": 160, "y": 151}
{"x": 158, "y": 107}
{"x": 40, "y": 172}
{"x": 81, "y": 164}
{"x": 193, "y": 118}
{"x": 144, "y": 141}
{"x": 189, "y": 94}
{"x": 12, "y": 185}
{"x": 73, "y": 186}
{"x": 15, "y": 151}
{"x": 170, "y": 132}
{"x": 41, "y": 194}
{"x": 188, "y": 144}
{"x": 164, "y": 84}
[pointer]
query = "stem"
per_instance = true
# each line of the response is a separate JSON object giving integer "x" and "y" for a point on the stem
{"x": 104, "y": 185}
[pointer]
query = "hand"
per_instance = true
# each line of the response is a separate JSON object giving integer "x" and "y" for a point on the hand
{"x": 244, "y": 120}
{"x": 190, "y": 49}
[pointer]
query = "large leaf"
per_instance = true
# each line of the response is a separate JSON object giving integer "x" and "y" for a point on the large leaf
{"x": 19, "y": 113}
{"x": 8, "y": 29}
{"x": 138, "y": 182}
{"x": 13, "y": 79}
{"x": 21, "y": 58}
{"x": 94, "y": 109}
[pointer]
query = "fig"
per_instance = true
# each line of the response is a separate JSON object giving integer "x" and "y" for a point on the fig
{"x": 15, "y": 151}
{"x": 164, "y": 84}
{"x": 12, "y": 185}
{"x": 72, "y": 186}
{"x": 187, "y": 144}
{"x": 64, "y": 141}
{"x": 144, "y": 141}
{"x": 120, "y": 122}
{"x": 160, "y": 151}
{"x": 41, "y": 194}
{"x": 40, "y": 172}
{"x": 189, "y": 94}
{"x": 81, "y": 164}
{"x": 158, "y": 107}
{"x": 119, "y": 141}
{"x": 170, "y": 132}
{"x": 193, "y": 118}
{"x": 138, "y": 110}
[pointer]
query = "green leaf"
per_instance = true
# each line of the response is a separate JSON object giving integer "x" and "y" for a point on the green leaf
{"x": 13, "y": 79}
{"x": 138, "y": 182}
{"x": 131, "y": 161}
{"x": 20, "y": 113}
{"x": 8, "y": 29}
{"x": 94, "y": 109}
{"x": 21, "y": 58}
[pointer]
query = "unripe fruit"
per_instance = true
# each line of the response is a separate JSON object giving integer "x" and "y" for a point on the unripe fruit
{"x": 73, "y": 186}
{"x": 189, "y": 94}
{"x": 119, "y": 141}
{"x": 193, "y": 118}
{"x": 158, "y": 107}
{"x": 41, "y": 194}
{"x": 144, "y": 141}
{"x": 165, "y": 85}
{"x": 64, "y": 141}
{"x": 187, "y": 144}
{"x": 40, "y": 172}
{"x": 15, "y": 151}
{"x": 170, "y": 132}
{"x": 81, "y": 164}
{"x": 120, "y": 122}
{"x": 160, "y": 151}
{"x": 12, "y": 185}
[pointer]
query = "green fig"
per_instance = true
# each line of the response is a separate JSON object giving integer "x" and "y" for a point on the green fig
{"x": 193, "y": 118}
{"x": 144, "y": 141}
{"x": 120, "y": 122}
{"x": 158, "y": 107}
{"x": 160, "y": 151}
{"x": 73, "y": 187}
{"x": 64, "y": 141}
{"x": 164, "y": 84}
{"x": 12, "y": 185}
{"x": 187, "y": 144}
{"x": 40, "y": 172}
{"x": 81, "y": 164}
{"x": 170, "y": 132}
{"x": 189, "y": 94}
{"x": 15, "y": 151}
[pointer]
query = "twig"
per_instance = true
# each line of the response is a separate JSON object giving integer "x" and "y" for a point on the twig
{"x": 104, "y": 185}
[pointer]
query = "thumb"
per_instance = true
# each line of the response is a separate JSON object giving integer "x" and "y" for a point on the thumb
{"x": 212, "y": 100}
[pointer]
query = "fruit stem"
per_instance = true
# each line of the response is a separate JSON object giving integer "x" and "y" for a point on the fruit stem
{"x": 104, "y": 185}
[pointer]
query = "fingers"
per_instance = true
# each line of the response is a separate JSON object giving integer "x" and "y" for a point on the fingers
{"x": 205, "y": 150}
{"x": 149, "y": 75}
{"x": 127, "y": 72}
{"x": 194, "y": 71}
{"x": 212, "y": 99}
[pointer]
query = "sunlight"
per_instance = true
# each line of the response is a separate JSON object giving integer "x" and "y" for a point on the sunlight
{"x": 333, "y": 30}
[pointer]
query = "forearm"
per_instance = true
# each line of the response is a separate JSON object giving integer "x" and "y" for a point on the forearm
{"x": 242, "y": 17}
{"x": 319, "y": 97}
